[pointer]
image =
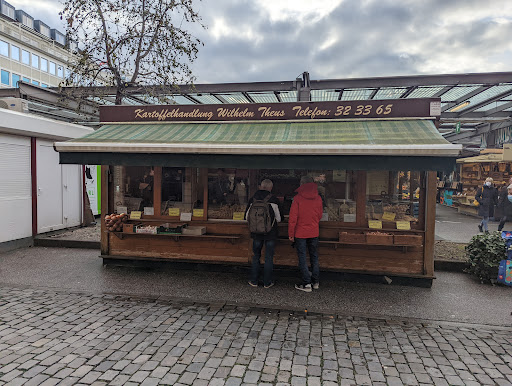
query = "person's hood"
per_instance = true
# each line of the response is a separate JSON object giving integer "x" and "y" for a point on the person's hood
{"x": 261, "y": 194}
{"x": 308, "y": 191}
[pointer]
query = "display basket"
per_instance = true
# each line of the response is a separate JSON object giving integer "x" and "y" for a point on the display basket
{"x": 379, "y": 239}
{"x": 407, "y": 239}
{"x": 352, "y": 238}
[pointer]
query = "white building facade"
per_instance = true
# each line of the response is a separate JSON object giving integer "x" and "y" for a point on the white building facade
{"x": 37, "y": 193}
{"x": 30, "y": 50}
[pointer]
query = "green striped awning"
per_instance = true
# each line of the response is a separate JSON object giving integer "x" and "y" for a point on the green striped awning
{"x": 173, "y": 142}
{"x": 406, "y": 132}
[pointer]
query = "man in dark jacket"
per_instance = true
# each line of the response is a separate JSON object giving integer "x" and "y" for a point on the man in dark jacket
{"x": 487, "y": 197}
{"x": 505, "y": 203}
{"x": 267, "y": 239}
{"x": 303, "y": 229}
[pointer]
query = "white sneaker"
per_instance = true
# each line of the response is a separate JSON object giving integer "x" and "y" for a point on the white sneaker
{"x": 303, "y": 287}
{"x": 316, "y": 286}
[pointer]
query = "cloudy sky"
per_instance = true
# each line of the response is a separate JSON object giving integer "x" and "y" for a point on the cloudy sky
{"x": 272, "y": 40}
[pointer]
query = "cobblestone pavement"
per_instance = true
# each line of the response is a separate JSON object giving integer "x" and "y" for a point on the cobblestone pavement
{"x": 50, "y": 337}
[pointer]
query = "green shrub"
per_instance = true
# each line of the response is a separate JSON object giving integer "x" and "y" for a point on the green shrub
{"x": 484, "y": 253}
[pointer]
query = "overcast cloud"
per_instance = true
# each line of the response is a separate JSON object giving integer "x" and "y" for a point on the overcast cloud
{"x": 271, "y": 40}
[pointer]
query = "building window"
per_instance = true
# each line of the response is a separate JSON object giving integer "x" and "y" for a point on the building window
{"x": 52, "y": 68}
{"x": 4, "y": 48}
{"x": 25, "y": 79}
{"x": 44, "y": 65}
{"x": 25, "y": 57}
{"x": 15, "y": 53}
{"x": 35, "y": 82}
{"x": 15, "y": 79}
{"x": 60, "y": 71}
{"x": 35, "y": 61}
{"x": 5, "y": 75}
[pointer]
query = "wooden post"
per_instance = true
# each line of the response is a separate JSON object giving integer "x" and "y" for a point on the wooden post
{"x": 157, "y": 191}
{"x": 423, "y": 193}
{"x": 430, "y": 224}
{"x": 361, "y": 199}
{"x": 204, "y": 179}
{"x": 105, "y": 187}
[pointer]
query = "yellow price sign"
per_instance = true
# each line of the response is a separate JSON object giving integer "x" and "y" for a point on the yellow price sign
{"x": 403, "y": 225}
{"x": 374, "y": 224}
{"x": 174, "y": 212}
{"x": 135, "y": 215}
{"x": 388, "y": 216}
{"x": 238, "y": 215}
{"x": 198, "y": 213}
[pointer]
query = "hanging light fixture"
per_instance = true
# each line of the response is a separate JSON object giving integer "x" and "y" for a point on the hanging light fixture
{"x": 459, "y": 107}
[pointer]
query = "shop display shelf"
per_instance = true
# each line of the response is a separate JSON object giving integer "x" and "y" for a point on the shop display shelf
{"x": 177, "y": 236}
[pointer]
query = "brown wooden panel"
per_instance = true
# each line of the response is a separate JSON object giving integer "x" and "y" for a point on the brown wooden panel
{"x": 430, "y": 223}
{"x": 104, "y": 209}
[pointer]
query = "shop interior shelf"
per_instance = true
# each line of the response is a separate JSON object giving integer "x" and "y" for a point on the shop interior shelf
{"x": 177, "y": 236}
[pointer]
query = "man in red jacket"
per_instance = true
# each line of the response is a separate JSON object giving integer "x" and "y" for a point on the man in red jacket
{"x": 303, "y": 229}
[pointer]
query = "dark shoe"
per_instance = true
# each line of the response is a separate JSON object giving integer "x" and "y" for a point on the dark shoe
{"x": 252, "y": 284}
{"x": 487, "y": 232}
{"x": 303, "y": 287}
{"x": 269, "y": 285}
{"x": 316, "y": 286}
{"x": 480, "y": 228}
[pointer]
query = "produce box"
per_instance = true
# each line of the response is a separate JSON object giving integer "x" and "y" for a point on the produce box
{"x": 352, "y": 238}
{"x": 171, "y": 229}
{"x": 193, "y": 230}
{"x": 407, "y": 239}
{"x": 379, "y": 238}
{"x": 128, "y": 228}
{"x": 147, "y": 229}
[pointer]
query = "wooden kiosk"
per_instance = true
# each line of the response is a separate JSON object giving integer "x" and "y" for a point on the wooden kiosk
{"x": 183, "y": 175}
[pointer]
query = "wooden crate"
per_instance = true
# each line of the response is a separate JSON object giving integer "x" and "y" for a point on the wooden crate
{"x": 379, "y": 239}
{"x": 128, "y": 228}
{"x": 407, "y": 239}
{"x": 352, "y": 238}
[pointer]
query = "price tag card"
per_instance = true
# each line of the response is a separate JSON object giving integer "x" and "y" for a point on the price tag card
{"x": 186, "y": 217}
{"x": 149, "y": 211}
{"x": 198, "y": 212}
{"x": 174, "y": 212}
{"x": 122, "y": 209}
{"x": 238, "y": 216}
{"x": 349, "y": 217}
{"x": 403, "y": 225}
{"x": 135, "y": 215}
{"x": 388, "y": 216}
{"x": 374, "y": 224}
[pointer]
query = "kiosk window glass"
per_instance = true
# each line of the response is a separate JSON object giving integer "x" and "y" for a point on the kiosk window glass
{"x": 228, "y": 192}
{"x": 182, "y": 191}
{"x": 337, "y": 188}
{"x": 133, "y": 188}
{"x": 393, "y": 196}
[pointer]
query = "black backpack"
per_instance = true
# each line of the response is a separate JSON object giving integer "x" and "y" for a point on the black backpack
{"x": 258, "y": 216}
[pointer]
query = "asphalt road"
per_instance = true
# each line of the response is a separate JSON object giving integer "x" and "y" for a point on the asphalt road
{"x": 459, "y": 228}
{"x": 454, "y": 296}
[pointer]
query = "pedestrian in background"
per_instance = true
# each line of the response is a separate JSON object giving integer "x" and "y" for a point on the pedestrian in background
{"x": 487, "y": 197}
{"x": 505, "y": 204}
{"x": 303, "y": 229}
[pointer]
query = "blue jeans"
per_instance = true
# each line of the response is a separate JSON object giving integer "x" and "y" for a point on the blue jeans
{"x": 268, "y": 270}
{"x": 311, "y": 245}
{"x": 484, "y": 223}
